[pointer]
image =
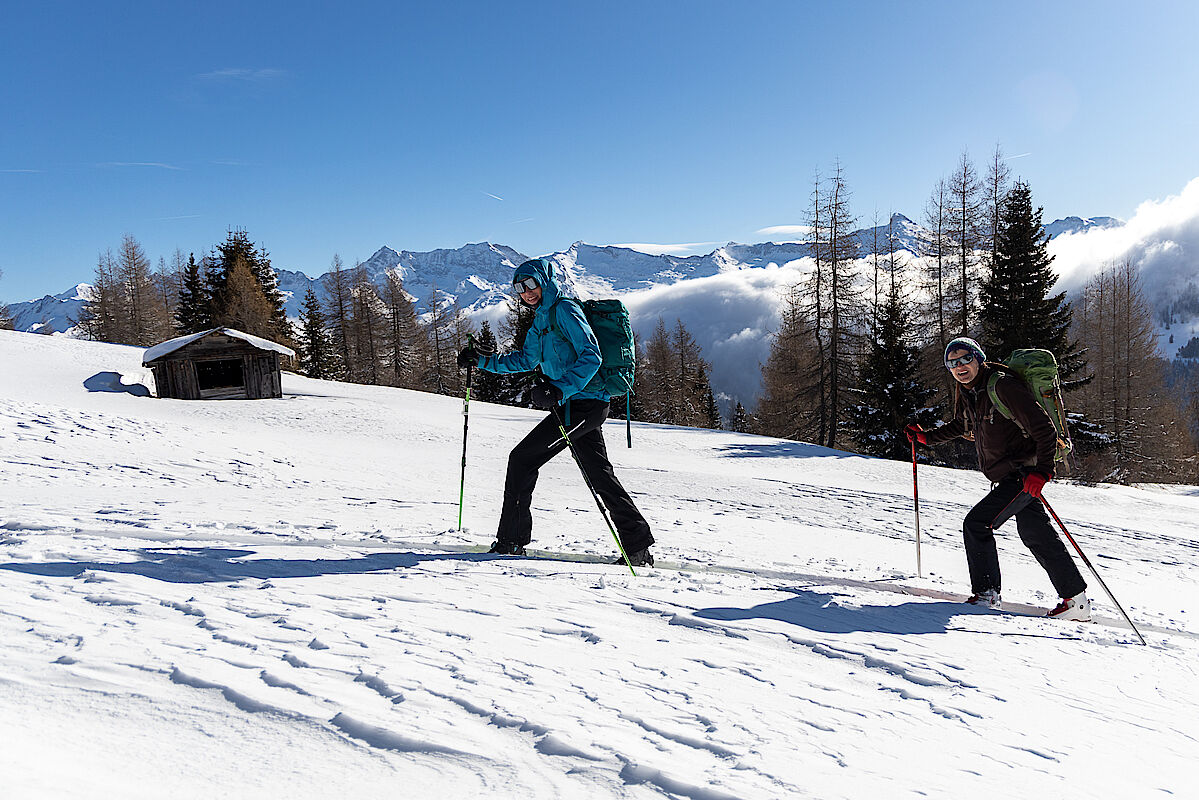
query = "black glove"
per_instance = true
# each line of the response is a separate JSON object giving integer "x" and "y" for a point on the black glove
{"x": 469, "y": 357}
{"x": 545, "y": 396}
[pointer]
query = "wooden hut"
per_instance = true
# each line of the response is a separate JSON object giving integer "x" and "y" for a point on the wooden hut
{"x": 220, "y": 364}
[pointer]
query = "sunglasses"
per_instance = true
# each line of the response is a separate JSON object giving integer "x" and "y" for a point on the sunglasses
{"x": 950, "y": 363}
{"x": 526, "y": 285}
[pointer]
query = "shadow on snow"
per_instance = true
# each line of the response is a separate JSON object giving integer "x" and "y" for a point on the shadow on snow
{"x": 111, "y": 382}
{"x": 830, "y": 613}
{"x": 782, "y": 449}
{"x": 213, "y": 565}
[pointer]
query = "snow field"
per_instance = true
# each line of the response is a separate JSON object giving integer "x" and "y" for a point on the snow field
{"x": 267, "y": 599}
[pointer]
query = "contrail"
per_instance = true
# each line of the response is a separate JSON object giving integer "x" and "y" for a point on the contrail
{"x": 489, "y": 194}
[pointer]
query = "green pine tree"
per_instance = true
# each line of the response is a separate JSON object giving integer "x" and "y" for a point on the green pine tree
{"x": 488, "y": 386}
{"x": 516, "y": 386}
{"x": 891, "y": 394}
{"x": 741, "y": 421}
{"x": 194, "y": 311}
{"x": 709, "y": 412}
{"x": 317, "y": 359}
{"x": 238, "y": 247}
{"x": 1018, "y": 310}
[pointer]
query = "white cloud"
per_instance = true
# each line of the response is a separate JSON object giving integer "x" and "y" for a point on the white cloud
{"x": 689, "y": 248}
{"x": 1162, "y": 238}
{"x": 157, "y": 164}
{"x": 732, "y": 315}
{"x": 239, "y": 74}
{"x": 785, "y": 230}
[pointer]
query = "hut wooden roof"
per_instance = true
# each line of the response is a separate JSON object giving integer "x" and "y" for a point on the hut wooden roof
{"x": 166, "y": 348}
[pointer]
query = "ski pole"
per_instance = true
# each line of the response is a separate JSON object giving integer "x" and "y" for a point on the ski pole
{"x": 1091, "y": 567}
{"x": 587, "y": 480}
{"x": 916, "y": 503}
{"x": 465, "y": 431}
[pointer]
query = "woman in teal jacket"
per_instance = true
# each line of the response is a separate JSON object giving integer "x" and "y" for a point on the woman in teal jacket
{"x": 562, "y": 346}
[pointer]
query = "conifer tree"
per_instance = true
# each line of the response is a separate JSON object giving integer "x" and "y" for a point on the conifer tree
{"x": 709, "y": 411}
{"x": 995, "y": 189}
{"x": 98, "y": 320}
{"x": 891, "y": 394}
{"x": 689, "y": 379}
{"x": 241, "y": 303}
{"x": 488, "y": 386}
{"x": 1143, "y": 430}
{"x": 1017, "y": 307}
{"x": 238, "y": 247}
{"x": 966, "y": 212}
{"x": 315, "y": 345}
{"x": 194, "y": 310}
{"x": 338, "y": 312}
{"x": 793, "y": 376}
{"x": 740, "y": 422}
{"x": 367, "y": 326}
{"x": 843, "y": 299}
{"x": 658, "y": 390}
{"x": 403, "y": 336}
{"x": 445, "y": 333}
{"x": 513, "y": 329}
{"x": 144, "y": 314}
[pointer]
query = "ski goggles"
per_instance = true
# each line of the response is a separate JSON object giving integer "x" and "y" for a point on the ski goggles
{"x": 526, "y": 284}
{"x": 960, "y": 361}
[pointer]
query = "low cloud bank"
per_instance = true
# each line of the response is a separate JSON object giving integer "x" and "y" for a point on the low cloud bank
{"x": 731, "y": 315}
{"x": 1162, "y": 238}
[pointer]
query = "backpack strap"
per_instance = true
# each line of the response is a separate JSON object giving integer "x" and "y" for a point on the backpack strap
{"x": 553, "y": 312}
{"x": 1001, "y": 370}
{"x": 999, "y": 405}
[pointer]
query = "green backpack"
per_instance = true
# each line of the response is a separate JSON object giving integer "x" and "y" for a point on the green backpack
{"x": 1039, "y": 370}
{"x": 609, "y": 321}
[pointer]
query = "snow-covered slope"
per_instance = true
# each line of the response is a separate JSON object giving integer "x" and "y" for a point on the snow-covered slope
{"x": 269, "y": 599}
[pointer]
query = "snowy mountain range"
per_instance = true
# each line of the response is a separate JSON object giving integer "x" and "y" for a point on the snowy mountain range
{"x": 728, "y": 298}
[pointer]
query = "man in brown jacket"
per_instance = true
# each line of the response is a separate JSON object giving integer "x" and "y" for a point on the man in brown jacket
{"x": 1017, "y": 456}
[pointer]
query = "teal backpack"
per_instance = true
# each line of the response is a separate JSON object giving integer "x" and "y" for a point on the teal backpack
{"x": 609, "y": 321}
{"x": 1039, "y": 370}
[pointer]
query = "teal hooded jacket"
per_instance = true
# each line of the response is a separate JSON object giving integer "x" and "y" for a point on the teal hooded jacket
{"x": 566, "y": 351}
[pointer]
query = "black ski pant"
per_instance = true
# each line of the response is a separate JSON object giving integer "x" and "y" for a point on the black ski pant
{"x": 1007, "y": 499}
{"x": 543, "y": 443}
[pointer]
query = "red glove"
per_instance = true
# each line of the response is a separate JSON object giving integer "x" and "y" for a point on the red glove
{"x": 1034, "y": 482}
{"x": 913, "y": 431}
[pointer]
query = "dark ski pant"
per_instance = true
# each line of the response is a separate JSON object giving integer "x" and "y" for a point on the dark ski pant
{"x": 1007, "y": 499}
{"x": 543, "y": 443}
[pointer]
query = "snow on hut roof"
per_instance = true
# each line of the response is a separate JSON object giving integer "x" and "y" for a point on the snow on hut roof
{"x": 159, "y": 350}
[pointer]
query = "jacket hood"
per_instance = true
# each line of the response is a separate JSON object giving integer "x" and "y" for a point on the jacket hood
{"x": 542, "y": 270}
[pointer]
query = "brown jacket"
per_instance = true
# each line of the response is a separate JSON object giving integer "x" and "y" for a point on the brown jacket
{"x": 1002, "y": 445}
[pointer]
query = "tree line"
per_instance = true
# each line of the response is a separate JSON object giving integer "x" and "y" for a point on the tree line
{"x": 857, "y": 354}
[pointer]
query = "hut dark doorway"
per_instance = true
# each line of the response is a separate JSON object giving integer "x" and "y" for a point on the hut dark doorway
{"x": 221, "y": 378}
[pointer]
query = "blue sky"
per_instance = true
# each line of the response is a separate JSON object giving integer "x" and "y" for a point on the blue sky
{"x": 324, "y": 129}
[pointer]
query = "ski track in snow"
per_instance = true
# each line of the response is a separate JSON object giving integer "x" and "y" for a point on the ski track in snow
{"x": 190, "y": 586}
